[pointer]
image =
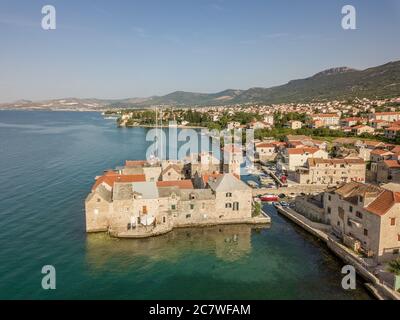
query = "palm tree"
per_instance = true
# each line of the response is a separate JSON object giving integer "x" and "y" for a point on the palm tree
{"x": 394, "y": 267}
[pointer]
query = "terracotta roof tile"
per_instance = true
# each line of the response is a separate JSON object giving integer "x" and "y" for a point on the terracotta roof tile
{"x": 110, "y": 178}
{"x": 302, "y": 150}
{"x": 384, "y": 202}
{"x": 181, "y": 184}
{"x": 392, "y": 163}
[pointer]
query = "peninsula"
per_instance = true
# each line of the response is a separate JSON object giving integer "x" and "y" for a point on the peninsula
{"x": 143, "y": 199}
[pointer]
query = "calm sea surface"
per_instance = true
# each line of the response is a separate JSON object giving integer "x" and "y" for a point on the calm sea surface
{"x": 48, "y": 161}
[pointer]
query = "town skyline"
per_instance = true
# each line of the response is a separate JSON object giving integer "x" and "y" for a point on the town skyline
{"x": 147, "y": 52}
{"x": 232, "y": 96}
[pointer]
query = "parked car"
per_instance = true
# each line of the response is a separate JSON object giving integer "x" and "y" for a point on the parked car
{"x": 269, "y": 198}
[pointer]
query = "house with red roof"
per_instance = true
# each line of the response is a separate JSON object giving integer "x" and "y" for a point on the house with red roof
{"x": 388, "y": 171}
{"x": 366, "y": 218}
{"x": 265, "y": 151}
{"x": 392, "y": 132}
{"x": 297, "y": 157}
{"x": 351, "y": 122}
{"x": 386, "y": 116}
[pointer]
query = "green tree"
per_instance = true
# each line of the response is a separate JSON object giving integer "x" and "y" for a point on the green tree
{"x": 394, "y": 267}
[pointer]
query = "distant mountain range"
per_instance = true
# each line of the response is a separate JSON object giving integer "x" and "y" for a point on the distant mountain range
{"x": 336, "y": 83}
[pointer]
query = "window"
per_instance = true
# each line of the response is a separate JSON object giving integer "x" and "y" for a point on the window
{"x": 228, "y": 205}
{"x": 173, "y": 207}
{"x": 392, "y": 221}
{"x": 359, "y": 215}
{"x": 236, "y": 206}
{"x": 329, "y": 210}
{"x": 396, "y": 251}
{"x": 98, "y": 200}
{"x": 129, "y": 227}
{"x": 191, "y": 206}
{"x": 188, "y": 216}
{"x": 351, "y": 209}
{"x": 338, "y": 223}
{"x": 398, "y": 237}
{"x": 349, "y": 223}
{"x": 229, "y": 195}
{"x": 329, "y": 198}
{"x": 164, "y": 219}
{"x": 341, "y": 213}
{"x": 365, "y": 232}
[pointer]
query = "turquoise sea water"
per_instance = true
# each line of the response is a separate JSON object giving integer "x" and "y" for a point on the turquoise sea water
{"x": 47, "y": 165}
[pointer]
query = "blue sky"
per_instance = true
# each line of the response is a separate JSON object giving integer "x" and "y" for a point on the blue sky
{"x": 120, "y": 49}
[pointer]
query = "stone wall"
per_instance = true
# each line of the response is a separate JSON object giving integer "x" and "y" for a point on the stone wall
{"x": 310, "y": 210}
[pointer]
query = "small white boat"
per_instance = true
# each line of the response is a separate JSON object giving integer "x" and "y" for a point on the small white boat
{"x": 252, "y": 184}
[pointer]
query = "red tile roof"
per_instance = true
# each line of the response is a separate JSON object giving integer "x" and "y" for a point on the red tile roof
{"x": 394, "y": 164}
{"x": 384, "y": 202}
{"x": 111, "y": 177}
{"x": 302, "y": 150}
{"x": 314, "y": 161}
{"x": 353, "y": 119}
{"x": 206, "y": 177}
{"x": 325, "y": 115}
{"x": 380, "y": 152}
{"x": 135, "y": 163}
{"x": 181, "y": 184}
{"x": 387, "y": 113}
{"x": 265, "y": 145}
{"x": 393, "y": 128}
{"x": 396, "y": 149}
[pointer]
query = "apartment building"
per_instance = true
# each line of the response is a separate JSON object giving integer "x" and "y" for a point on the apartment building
{"x": 352, "y": 121}
{"x": 392, "y": 132}
{"x": 265, "y": 151}
{"x": 326, "y": 119}
{"x": 297, "y": 157}
{"x": 361, "y": 129}
{"x": 294, "y": 124}
{"x": 331, "y": 171}
{"x": 385, "y": 116}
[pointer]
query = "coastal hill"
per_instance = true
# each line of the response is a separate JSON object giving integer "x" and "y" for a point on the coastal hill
{"x": 336, "y": 83}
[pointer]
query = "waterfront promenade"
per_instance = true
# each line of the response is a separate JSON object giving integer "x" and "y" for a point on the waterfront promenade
{"x": 379, "y": 289}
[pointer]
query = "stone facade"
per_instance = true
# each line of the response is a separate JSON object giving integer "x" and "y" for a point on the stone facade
{"x": 142, "y": 209}
{"x": 297, "y": 157}
{"x": 265, "y": 151}
{"x": 331, "y": 171}
{"x": 366, "y": 218}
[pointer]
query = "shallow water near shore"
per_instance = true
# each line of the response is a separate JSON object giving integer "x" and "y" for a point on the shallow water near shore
{"x": 48, "y": 161}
